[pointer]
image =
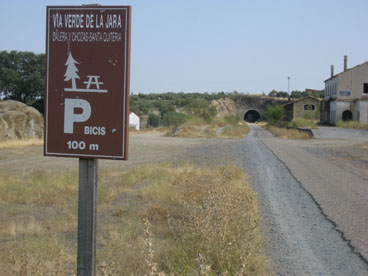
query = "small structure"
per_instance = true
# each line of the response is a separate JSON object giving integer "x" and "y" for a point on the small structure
{"x": 346, "y": 95}
{"x": 134, "y": 121}
{"x": 304, "y": 107}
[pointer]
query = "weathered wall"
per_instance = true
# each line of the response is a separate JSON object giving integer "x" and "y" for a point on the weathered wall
{"x": 299, "y": 108}
{"x": 361, "y": 112}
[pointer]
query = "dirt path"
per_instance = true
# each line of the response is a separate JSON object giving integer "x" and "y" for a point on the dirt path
{"x": 302, "y": 241}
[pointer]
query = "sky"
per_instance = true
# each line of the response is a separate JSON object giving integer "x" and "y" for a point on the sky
{"x": 212, "y": 46}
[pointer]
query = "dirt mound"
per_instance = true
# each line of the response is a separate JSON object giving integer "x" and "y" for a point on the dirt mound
{"x": 224, "y": 107}
{"x": 19, "y": 121}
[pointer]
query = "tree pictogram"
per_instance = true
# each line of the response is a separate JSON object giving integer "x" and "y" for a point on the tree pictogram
{"x": 71, "y": 70}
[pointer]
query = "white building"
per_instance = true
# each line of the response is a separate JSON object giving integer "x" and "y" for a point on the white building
{"x": 134, "y": 121}
{"x": 346, "y": 95}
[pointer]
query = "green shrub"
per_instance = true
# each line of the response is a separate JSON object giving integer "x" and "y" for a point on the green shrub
{"x": 154, "y": 120}
{"x": 201, "y": 108}
{"x": 173, "y": 118}
{"x": 274, "y": 114}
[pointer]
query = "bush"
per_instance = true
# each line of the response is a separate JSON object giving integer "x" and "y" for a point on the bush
{"x": 201, "y": 108}
{"x": 154, "y": 120}
{"x": 164, "y": 107}
{"x": 173, "y": 118}
{"x": 274, "y": 114}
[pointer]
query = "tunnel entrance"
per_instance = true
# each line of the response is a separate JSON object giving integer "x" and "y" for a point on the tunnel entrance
{"x": 252, "y": 116}
{"x": 347, "y": 115}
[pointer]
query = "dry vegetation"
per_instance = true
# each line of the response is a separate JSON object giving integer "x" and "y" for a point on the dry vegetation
{"x": 352, "y": 124}
{"x": 303, "y": 122}
{"x": 20, "y": 143}
{"x": 197, "y": 128}
{"x": 290, "y": 133}
{"x": 152, "y": 220}
{"x": 148, "y": 130}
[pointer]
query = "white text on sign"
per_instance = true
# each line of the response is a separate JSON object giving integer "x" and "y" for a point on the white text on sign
{"x": 79, "y": 21}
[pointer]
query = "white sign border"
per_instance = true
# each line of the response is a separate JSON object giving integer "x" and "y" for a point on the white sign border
{"x": 124, "y": 89}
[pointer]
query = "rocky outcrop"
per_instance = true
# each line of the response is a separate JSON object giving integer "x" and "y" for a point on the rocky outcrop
{"x": 225, "y": 107}
{"x": 19, "y": 121}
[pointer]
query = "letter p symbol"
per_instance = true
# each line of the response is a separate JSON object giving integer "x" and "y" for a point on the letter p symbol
{"x": 70, "y": 117}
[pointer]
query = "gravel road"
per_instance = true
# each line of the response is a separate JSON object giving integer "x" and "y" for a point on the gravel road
{"x": 301, "y": 239}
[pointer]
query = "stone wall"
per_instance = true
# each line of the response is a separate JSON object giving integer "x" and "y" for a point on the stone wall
{"x": 299, "y": 110}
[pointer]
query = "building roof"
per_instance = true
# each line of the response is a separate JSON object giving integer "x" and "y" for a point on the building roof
{"x": 308, "y": 90}
{"x": 298, "y": 100}
{"x": 347, "y": 70}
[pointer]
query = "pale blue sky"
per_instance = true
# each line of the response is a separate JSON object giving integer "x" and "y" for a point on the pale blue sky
{"x": 209, "y": 45}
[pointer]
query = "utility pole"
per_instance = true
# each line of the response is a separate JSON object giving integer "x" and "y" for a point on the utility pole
{"x": 289, "y": 85}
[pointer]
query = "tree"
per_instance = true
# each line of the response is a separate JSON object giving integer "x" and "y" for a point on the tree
{"x": 282, "y": 94}
{"x": 274, "y": 114}
{"x": 164, "y": 107}
{"x": 273, "y": 93}
{"x": 22, "y": 76}
{"x": 296, "y": 94}
{"x": 71, "y": 70}
{"x": 154, "y": 120}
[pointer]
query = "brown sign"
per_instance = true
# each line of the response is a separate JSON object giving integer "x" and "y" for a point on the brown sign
{"x": 87, "y": 81}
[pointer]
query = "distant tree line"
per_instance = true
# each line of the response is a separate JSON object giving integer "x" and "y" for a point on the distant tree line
{"x": 22, "y": 76}
{"x": 296, "y": 94}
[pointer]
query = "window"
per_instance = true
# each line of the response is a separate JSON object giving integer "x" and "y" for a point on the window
{"x": 365, "y": 88}
{"x": 309, "y": 107}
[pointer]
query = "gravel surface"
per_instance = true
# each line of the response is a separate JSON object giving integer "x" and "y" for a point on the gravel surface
{"x": 348, "y": 156}
{"x": 340, "y": 133}
{"x": 152, "y": 147}
{"x": 338, "y": 185}
{"x": 301, "y": 240}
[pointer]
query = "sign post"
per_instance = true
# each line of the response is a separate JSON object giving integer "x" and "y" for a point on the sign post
{"x": 87, "y": 210}
{"x": 87, "y": 101}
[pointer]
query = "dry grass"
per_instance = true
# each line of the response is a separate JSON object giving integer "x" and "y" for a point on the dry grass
{"x": 364, "y": 146}
{"x": 200, "y": 129}
{"x": 148, "y": 130}
{"x": 20, "y": 143}
{"x": 235, "y": 131}
{"x": 152, "y": 220}
{"x": 288, "y": 133}
{"x": 351, "y": 124}
{"x": 304, "y": 122}
{"x": 261, "y": 123}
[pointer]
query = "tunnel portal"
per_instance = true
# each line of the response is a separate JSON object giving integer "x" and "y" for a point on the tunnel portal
{"x": 252, "y": 116}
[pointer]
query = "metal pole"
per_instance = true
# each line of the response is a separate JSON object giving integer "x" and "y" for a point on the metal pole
{"x": 289, "y": 85}
{"x": 87, "y": 209}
